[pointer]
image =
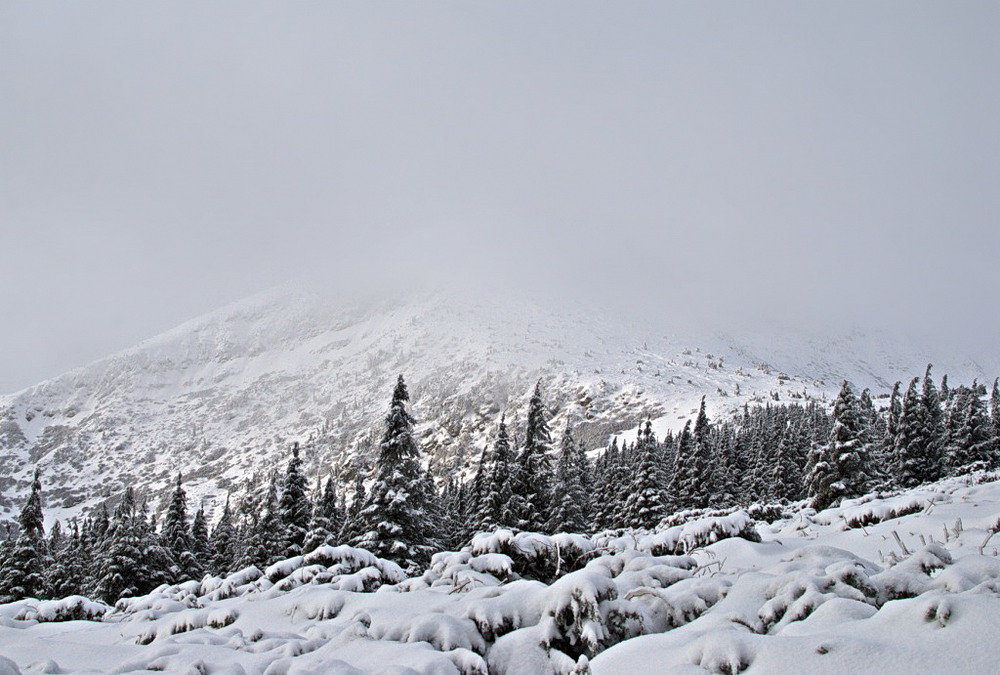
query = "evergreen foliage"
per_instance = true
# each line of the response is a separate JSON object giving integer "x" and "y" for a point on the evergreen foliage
{"x": 294, "y": 506}
{"x": 768, "y": 453}
{"x": 570, "y": 491}
{"x": 644, "y": 507}
{"x": 493, "y": 508}
{"x": 534, "y": 473}
{"x": 176, "y": 536}
{"x": 841, "y": 467}
{"x": 24, "y": 567}
{"x": 394, "y": 522}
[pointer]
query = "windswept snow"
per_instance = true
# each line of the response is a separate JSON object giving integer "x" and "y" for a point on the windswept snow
{"x": 899, "y": 583}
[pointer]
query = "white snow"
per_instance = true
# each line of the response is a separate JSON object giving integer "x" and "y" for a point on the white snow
{"x": 907, "y": 591}
{"x": 228, "y": 392}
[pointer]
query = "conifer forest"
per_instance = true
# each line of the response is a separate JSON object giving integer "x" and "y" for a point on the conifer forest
{"x": 761, "y": 461}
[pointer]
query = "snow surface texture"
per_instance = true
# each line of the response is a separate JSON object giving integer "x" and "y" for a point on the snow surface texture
{"x": 873, "y": 584}
{"x": 221, "y": 398}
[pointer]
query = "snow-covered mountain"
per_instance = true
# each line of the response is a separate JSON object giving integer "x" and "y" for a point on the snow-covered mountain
{"x": 220, "y": 398}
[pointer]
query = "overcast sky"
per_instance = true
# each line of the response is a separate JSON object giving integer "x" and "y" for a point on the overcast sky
{"x": 158, "y": 160}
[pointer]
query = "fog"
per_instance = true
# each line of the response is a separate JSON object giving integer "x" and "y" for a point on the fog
{"x": 744, "y": 163}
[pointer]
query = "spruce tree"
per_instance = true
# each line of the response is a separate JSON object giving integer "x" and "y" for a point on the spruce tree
{"x": 70, "y": 565}
{"x": 24, "y": 569}
{"x": 494, "y": 508}
{"x": 294, "y": 505}
{"x": 995, "y": 406}
{"x": 842, "y": 469}
{"x": 681, "y": 476}
{"x": 570, "y": 491}
{"x": 176, "y": 536}
{"x": 935, "y": 428}
{"x": 223, "y": 543}
{"x": 326, "y": 519}
{"x": 644, "y": 507}
{"x": 534, "y": 474}
{"x": 200, "y": 545}
{"x": 121, "y": 566}
{"x": 394, "y": 522}
{"x": 911, "y": 440}
{"x": 786, "y": 474}
{"x": 972, "y": 443}
{"x": 600, "y": 515}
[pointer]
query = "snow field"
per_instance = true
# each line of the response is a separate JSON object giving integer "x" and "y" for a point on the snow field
{"x": 894, "y": 583}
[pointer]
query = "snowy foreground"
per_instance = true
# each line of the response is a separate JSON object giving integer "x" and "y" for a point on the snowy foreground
{"x": 903, "y": 583}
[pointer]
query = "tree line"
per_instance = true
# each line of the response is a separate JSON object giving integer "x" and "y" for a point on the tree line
{"x": 768, "y": 454}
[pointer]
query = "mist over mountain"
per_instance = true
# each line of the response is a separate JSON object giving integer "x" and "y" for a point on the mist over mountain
{"x": 222, "y": 397}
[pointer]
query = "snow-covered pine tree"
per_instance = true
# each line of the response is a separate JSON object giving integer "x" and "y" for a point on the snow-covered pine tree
{"x": 294, "y": 506}
{"x": 935, "y": 428}
{"x": 570, "y": 486}
{"x": 681, "y": 482}
{"x": 493, "y": 506}
{"x": 121, "y": 569}
{"x": 911, "y": 440}
{"x": 156, "y": 559}
{"x": 971, "y": 441}
{"x": 725, "y": 469}
{"x": 786, "y": 473}
{"x": 602, "y": 514}
{"x": 843, "y": 467}
{"x": 69, "y": 569}
{"x": 644, "y": 507}
{"x": 24, "y": 568}
{"x": 222, "y": 543}
{"x": 394, "y": 522}
{"x": 534, "y": 473}
{"x": 200, "y": 544}
{"x": 326, "y": 519}
{"x": 995, "y": 406}
{"x": 350, "y": 530}
{"x": 176, "y": 537}
{"x": 890, "y": 446}
{"x": 473, "y": 503}
{"x": 704, "y": 487}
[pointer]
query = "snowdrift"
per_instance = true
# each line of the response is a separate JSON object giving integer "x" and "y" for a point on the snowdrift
{"x": 900, "y": 582}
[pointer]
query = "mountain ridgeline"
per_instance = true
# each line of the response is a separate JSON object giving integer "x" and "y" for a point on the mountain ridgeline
{"x": 222, "y": 398}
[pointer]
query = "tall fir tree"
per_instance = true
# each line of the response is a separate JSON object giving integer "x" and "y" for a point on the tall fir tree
{"x": 534, "y": 474}
{"x": 681, "y": 480}
{"x": 294, "y": 506}
{"x": 570, "y": 488}
{"x": 995, "y": 406}
{"x": 605, "y": 489}
{"x": 326, "y": 519}
{"x": 223, "y": 543}
{"x": 200, "y": 544}
{"x": 935, "y": 428}
{"x": 843, "y": 468}
{"x": 395, "y": 522}
{"x": 644, "y": 507}
{"x": 493, "y": 507}
{"x": 176, "y": 536}
{"x": 911, "y": 451}
{"x": 971, "y": 441}
{"x": 121, "y": 566}
{"x": 24, "y": 568}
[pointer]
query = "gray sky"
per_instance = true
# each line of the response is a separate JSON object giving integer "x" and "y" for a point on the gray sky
{"x": 790, "y": 160}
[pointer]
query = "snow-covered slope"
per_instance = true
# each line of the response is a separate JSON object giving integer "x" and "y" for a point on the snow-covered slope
{"x": 221, "y": 397}
{"x": 898, "y": 583}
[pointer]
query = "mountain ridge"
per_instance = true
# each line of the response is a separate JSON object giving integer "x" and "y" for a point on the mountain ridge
{"x": 221, "y": 397}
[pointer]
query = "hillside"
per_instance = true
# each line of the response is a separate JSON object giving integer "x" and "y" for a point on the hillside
{"x": 221, "y": 397}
